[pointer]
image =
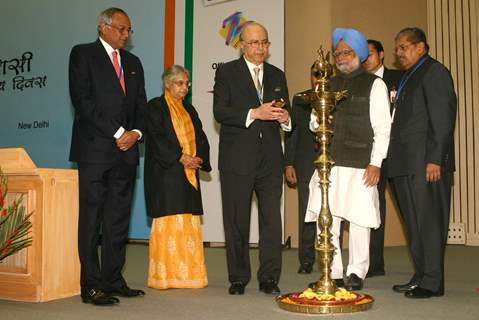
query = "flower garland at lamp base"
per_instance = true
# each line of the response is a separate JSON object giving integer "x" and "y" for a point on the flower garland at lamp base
{"x": 14, "y": 223}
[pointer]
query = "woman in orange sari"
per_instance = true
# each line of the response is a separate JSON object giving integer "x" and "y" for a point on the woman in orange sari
{"x": 176, "y": 148}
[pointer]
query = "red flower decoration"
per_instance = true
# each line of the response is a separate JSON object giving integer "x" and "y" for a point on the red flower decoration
{"x": 4, "y": 212}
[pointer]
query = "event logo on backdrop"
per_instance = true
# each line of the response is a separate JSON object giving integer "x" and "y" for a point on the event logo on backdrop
{"x": 231, "y": 29}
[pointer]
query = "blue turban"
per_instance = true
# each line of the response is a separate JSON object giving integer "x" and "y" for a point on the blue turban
{"x": 353, "y": 38}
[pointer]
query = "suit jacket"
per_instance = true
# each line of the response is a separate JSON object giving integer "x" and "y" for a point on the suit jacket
{"x": 423, "y": 126}
{"x": 241, "y": 148}
{"x": 300, "y": 143}
{"x": 167, "y": 190}
{"x": 100, "y": 106}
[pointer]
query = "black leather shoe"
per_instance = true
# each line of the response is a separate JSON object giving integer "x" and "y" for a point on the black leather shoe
{"x": 99, "y": 297}
{"x": 339, "y": 284}
{"x": 375, "y": 273}
{"x": 127, "y": 292}
{"x": 236, "y": 288}
{"x": 269, "y": 287}
{"x": 401, "y": 288}
{"x": 353, "y": 282}
{"x": 305, "y": 268}
{"x": 421, "y": 293}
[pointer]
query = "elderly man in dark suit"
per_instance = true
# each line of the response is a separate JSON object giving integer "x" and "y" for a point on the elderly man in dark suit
{"x": 108, "y": 95}
{"x": 300, "y": 153}
{"x": 251, "y": 104}
{"x": 374, "y": 64}
{"x": 421, "y": 159}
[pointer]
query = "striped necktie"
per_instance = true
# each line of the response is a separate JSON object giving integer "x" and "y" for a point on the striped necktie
{"x": 257, "y": 84}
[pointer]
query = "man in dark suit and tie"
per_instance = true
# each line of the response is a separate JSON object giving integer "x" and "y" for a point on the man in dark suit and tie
{"x": 421, "y": 159}
{"x": 108, "y": 95}
{"x": 251, "y": 104}
{"x": 374, "y": 64}
{"x": 300, "y": 154}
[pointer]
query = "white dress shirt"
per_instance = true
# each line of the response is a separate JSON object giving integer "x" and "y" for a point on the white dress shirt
{"x": 251, "y": 67}
{"x": 109, "y": 51}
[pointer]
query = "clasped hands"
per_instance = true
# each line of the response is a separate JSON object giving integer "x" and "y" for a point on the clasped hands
{"x": 127, "y": 140}
{"x": 190, "y": 162}
{"x": 267, "y": 111}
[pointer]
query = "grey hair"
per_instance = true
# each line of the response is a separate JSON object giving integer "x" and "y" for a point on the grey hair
{"x": 173, "y": 71}
{"x": 106, "y": 16}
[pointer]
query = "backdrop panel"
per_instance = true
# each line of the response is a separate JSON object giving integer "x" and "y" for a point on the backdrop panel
{"x": 35, "y": 107}
{"x": 216, "y": 26}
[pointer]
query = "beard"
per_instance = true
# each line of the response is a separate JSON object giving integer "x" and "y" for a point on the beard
{"x": 350, "y": 66}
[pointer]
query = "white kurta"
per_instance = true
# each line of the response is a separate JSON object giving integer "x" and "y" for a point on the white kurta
{"x": 349, "y": 197}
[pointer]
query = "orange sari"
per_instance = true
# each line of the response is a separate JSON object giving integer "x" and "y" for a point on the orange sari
{"x": 176, "y": 244}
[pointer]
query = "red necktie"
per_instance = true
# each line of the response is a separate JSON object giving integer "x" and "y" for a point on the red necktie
{"x": 118, "y": 70}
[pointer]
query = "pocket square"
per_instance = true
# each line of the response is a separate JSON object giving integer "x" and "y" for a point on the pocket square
{"x": 133, "y": 73}
{"x": 277, "y": 89}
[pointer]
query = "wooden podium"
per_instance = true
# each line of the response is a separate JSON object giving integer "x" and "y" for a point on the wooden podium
{"x": 50, "y": 268}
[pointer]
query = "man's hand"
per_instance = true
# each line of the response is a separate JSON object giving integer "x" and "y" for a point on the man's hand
{"x": 190, "y": 162}
{"x": 290, "y": 175}
{"x": 371, "y": 175}
{"x": 284, "y": 117}
{"x": 267, "y": 111}
{"x": 127, "y": 140}
{"x": 433, "y": 172}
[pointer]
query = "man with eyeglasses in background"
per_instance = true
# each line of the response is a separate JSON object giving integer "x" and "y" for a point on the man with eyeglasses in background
{"x": 359, "y": 144}
{"x": 107, "y": 90}
{"x": 421, "y": 160}
{"x": 251, "y": 103}
{"x": 375, "y": 65}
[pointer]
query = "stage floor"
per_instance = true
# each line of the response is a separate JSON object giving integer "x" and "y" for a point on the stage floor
{"x": 461, "y": 300}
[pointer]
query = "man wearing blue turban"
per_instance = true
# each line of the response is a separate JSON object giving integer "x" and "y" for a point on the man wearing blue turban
{"x": 359, "y": 144}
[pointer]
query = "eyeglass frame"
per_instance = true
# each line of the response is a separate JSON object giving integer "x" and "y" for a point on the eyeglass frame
{"x": 121, "y": 29}
{"x": 404, "y": 47}
{"x": 257, "y": 43}
{"x": 345, "y": 53}
{"x": 180, "y": 83}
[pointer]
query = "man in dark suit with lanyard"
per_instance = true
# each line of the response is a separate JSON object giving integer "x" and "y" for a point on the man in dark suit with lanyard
{"x": 300, "y": 153}
{"x": 374, "y": 64}
{"x": 421, "y": 159}
{"x": 251, "y": 104}
{"x": 108, "y": 95}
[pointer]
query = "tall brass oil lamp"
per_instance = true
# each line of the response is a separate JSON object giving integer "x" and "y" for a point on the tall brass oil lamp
{"x": 325, "y": 297}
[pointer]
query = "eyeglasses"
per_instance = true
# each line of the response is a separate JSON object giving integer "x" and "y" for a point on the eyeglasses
{"x": 180, "y": 83}
{"x": 257, "y": 43}
{"x": 344, "y": 53}
{"x": 403, "y": 47}
{"x": 121, "y": 29}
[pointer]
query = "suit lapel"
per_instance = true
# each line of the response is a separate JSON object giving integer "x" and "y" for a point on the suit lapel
{"x": 125, "y": 62}
{"x": 267, "y": 90}
{"x": 412, "y": 83}
{"x": 245, "y": 80}
{"x": 105, "y": 66}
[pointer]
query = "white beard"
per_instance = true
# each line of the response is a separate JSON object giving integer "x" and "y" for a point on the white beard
{"x": 349, "y": 67}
